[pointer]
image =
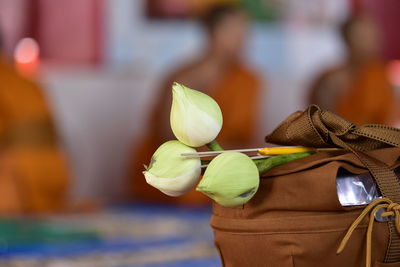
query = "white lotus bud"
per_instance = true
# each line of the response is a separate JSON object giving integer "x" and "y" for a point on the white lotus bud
{"x": 231, "y": 179}
{"x": 171, "y": 173}
{"x": 196, "y": 118}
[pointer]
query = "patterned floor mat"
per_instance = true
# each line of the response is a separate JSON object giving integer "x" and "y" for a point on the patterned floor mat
{"x": 140, "y": 236}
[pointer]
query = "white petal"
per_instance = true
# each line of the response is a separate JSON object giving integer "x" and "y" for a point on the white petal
{"x": 192, "y": 126}
{"x": 174, "y": 186}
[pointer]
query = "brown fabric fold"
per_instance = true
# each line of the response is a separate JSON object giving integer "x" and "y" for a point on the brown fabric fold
{"x": 319, "y": 128}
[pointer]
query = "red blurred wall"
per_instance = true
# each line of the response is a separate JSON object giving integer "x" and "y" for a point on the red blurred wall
{"x": 386, "y": 13}
{"x": 68, "y": 31}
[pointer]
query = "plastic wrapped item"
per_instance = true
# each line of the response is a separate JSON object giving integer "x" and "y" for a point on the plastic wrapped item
{"x": 357, "y": 189}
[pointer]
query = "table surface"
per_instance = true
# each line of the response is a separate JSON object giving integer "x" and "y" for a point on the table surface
{"x": 142, "y": 235}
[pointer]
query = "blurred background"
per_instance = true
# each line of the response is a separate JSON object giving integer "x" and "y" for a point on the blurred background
{"x": 85, "y": 96}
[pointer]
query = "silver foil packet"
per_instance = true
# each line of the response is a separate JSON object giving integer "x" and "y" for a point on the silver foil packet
{"x": 357, "y": 189}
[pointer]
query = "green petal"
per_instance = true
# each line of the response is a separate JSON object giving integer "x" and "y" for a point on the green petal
{"x": 167, "y": 161}
{"x": 231, "y": 179}
{"x": 201, "y": 100}
{"x": 195, "y": 118}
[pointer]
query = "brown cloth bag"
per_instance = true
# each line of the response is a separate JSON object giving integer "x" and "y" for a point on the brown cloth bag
{"x": 296, "y": 219}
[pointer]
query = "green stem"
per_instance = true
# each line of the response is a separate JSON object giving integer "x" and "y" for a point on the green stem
{"x": 214, "y": 146}
{"x": 205, "y": 162}
{"x": 264, "y": 165}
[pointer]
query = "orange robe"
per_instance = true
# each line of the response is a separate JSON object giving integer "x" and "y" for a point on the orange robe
{"x": 236, "y": 92}
{"x": 33, "y": 172}
{"x": 370, "y": 98}
{"x": 364, "y": 97}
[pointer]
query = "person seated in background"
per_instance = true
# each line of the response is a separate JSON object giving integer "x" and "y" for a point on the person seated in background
{"x": 218, "y": 72}
{"x": 33, "y": 172}
{"x": 359, "y": 89}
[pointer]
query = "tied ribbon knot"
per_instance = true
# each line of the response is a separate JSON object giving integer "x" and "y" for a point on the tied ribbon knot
{"x": 391, "y": 210}
{"x": 321, "y": 128}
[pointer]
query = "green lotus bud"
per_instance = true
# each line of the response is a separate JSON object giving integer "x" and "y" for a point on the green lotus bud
{"x": 169, "y": 172}
{"x": 196, "y": 118}
{"x": 231, "y": 179}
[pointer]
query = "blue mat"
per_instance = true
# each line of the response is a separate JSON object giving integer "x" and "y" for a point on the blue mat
{"x": 142, "y": 235}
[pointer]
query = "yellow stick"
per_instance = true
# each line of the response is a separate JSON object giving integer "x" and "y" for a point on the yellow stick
{"x": 284, "y": 150}
{"x": 266, "y": 151}
{"x": 294, "y": 149}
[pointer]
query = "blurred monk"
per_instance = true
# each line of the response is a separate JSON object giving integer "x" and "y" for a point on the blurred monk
{"x": 359, "y": 89}
{"x": 218, "y": 72}
{"x": 33, "y": 173}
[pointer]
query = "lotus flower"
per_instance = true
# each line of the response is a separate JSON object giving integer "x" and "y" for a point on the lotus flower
{"x": 231, "y": 179}
{"x": 196, "y": 118}
{"x": 171, "y": 173}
